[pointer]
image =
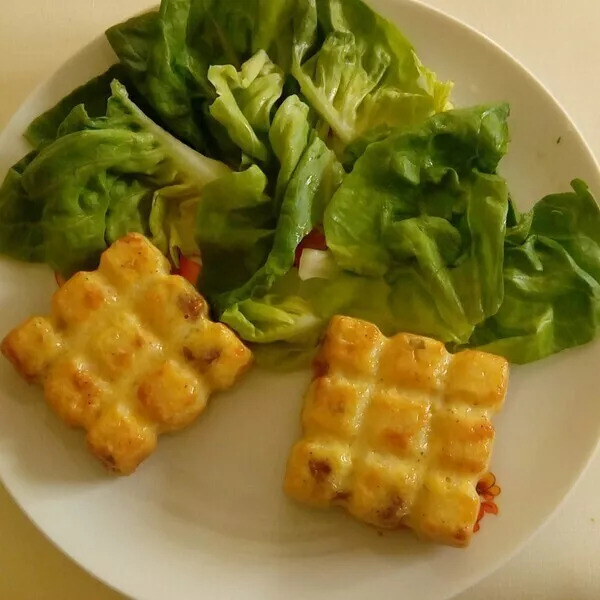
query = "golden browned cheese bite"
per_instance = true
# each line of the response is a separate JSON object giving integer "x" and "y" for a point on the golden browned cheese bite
{"x": 128, "y": 353}
{"x": 397, "y": 431}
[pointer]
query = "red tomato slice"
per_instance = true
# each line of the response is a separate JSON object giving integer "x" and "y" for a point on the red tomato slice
{"x": 190, "y": 269}
{"x": 315, "y": 240}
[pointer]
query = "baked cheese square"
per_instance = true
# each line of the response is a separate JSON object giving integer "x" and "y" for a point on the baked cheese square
{"x": 397, "y": 431}
{"x": 127, "y": 353}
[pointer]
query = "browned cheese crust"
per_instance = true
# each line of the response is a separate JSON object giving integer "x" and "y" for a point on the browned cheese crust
{"x": 397, "y": 431}
{"x": 127, "y": 353}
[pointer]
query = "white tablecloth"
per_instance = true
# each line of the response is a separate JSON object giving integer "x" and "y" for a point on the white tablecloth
{"x": 559, "y": 41}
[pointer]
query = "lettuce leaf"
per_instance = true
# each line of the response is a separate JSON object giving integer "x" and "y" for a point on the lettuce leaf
{"x": 97, "y": 181}
{"x": 354, "y": 68}
{"x": 308, "y": 175}
{"x": 315, "y": 179}
{"x": 244, "y": 102}
{"x": 289, "y": 136}
{"x": 416, "y": 234}
{"x": 274, "y": 319}
{"x": 235, "y": 223}
{"x": 364, "y": 75}
{"x": 171, "y": 222}
{"x": 424, "y": 210}
{"x": 92, "y": 95}
{"x": 283, "y": 330}
{"x": 551, "y": 281}
{"x": 152, "y": 47}
{"x": 168, "y": 54}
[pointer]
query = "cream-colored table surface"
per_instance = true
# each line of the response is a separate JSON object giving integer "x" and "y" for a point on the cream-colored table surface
{"x": 559, "y": 41}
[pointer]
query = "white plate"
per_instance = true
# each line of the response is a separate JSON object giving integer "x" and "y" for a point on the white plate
{"x": 205, "y": 516}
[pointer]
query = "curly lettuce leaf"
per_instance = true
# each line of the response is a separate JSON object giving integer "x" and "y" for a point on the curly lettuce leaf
{"x": 424, "y": 210}
{"x": 256, "y": 235}
{"x": 244, "y": 101}
{"x": 289, "y": 135}
{"x": 95, "y": 182}
{"x": 364, "y": 75}
{"x": 551, "y": 282}
{"x": 21, "y": 234}
{"x": 153, "y": 49}
{"x": 355, "y": 69}
{"x": 171, "y": 222}
{"x": 415, "y": 231}
{"x": 91, "y": 96}
{"x": 234, "y": 225}
{"x": 282, "y": 331}
{"x": 426, "y": 171}
{"x": 168, "y": 55}
{"x": 267, "y": 234}
{"x": 316, "y": 177}
{"x": 274, "y": 319}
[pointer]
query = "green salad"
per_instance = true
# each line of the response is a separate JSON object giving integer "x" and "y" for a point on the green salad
{"x": 303, "y": 153}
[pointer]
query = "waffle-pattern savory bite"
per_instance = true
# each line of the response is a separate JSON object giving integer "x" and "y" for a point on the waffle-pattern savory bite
{"x": 397, "y": 431}
{"x": 127, "y": 353}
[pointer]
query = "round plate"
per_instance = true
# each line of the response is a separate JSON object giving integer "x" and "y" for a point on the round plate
{"x": 206, "y": 512}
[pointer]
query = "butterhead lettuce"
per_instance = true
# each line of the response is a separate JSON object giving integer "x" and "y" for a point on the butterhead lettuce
{"x": 304, "y": 156}
{"x": 95, "y": 182}
{"x": 364, "y": 75}
{"x": 245, "y": 100}
{"x": 168, "y": 55}
{"x": 551, "y": 281}
{"x": 315, "y": 178}
{"x": 354, "y": 68}
{"x": 424, "y": 210}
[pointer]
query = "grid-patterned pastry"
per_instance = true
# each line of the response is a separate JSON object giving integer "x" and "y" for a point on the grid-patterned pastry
{"x": 127, "y": 353}
{"x": 397, "y": 431}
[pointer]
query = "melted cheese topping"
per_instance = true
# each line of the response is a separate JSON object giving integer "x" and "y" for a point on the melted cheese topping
{"x": 397, "y": 431}
{"x": 127, "y": 353}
